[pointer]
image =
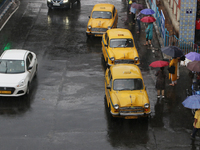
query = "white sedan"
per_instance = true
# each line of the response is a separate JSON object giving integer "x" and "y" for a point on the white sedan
{"x": 17, "y": 69}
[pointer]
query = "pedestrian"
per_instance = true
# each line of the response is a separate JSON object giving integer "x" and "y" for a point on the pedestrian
{"x": 149, "y": 33}
{"x": 138, "y": 17}
{"x": 173, "y": 77}
{"x": 196, "y": 124}
{"x": 132, "y": 12}
{"x": 160, "y": 82}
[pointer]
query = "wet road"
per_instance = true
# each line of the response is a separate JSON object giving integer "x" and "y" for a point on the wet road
{"x": 65, "y": 109}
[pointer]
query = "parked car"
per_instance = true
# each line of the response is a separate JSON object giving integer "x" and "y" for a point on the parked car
{"x": 125, "y": 92}
{"x": 17, "y": 69}
{"x": 61, "y": 3}
{"x": 103, "y": 17}
{"x": 118, "y": 46}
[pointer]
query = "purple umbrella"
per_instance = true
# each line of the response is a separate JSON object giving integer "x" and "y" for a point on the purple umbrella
{"x": 147, "y": 11}
{"x": 193, "y": 56}
{"x": 137, "y": 6}
{"x": 192, "y": 102}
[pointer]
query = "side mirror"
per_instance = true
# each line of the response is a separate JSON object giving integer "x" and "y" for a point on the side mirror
{"x": 29, "y": 68}
{"x": 88, "y": 16}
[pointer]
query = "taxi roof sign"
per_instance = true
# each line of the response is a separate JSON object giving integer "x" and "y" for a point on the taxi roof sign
{"x": 127, "y": 72}
{"x": 120, "y": 34}
{"x": 102, "y": 7}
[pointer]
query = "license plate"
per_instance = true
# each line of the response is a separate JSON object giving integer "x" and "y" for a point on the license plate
{"x": 131, "y": 117}
{"x": 56, "y": 4}
{"x": 5, "y": 92}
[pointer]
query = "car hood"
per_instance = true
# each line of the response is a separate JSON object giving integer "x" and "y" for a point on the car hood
{"x": 100, "y": 23}
{"x": 125, "y": 53}
{"x": 131, "y": 99}
{"x": 11, "y": 79}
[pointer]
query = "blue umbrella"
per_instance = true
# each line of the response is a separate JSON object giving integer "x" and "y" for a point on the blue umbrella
{"x": 193, "y": 56}
{"x": 192, "y": 102}
{"x": 147, "y": 11}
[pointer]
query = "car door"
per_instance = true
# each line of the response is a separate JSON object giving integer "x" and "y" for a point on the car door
{"x": 109, "y": 84}
{"x": 115, "y": 15}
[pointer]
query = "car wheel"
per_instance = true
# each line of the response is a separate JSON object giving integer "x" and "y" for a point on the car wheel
{"x": 88, "y": 36}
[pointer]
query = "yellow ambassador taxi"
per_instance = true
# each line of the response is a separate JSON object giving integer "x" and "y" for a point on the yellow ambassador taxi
{"x": 103, "y": 17}
{"x": 125, "y": 92}
{"x": 118, "y": 46}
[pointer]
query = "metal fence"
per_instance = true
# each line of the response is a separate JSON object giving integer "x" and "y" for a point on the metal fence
{"x": 172, "y": 40}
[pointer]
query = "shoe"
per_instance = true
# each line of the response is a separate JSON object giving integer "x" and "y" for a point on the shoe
{"x": 163, "y": 96}
{"x": 158, "y": 96}
{"x": 171, "y": 84}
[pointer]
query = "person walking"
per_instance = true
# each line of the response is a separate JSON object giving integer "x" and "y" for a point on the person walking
{"x": 173, "y": 77}
{"x": 149, "y": 33}
{"x": 160, "y": 82}
{"x": 132, "y": 12}
{"x": 138, "y": 17}
{"x": 196, "y": 124}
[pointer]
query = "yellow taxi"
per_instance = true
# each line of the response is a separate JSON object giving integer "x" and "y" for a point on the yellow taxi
{"x": 125, "y": 92}
{"x": 118, "y": 46}
{"x": 103, "y": 17}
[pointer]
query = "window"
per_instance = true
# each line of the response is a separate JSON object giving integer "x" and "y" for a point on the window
{"x": 27, "y": 62}
{"x": 127, "y": 84}
{"x": 102, "y": 14}
{"x": 30, "y": 56}
{"x": 12, "y": 66}
{"x": 121, "y": 43}
{"x": 114, "y": 12}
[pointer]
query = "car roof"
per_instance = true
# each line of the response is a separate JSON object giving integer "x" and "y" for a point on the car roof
{"x": 14, "y": 54}
{"x": 120, "y": 71}
{"x": 103, "y": 7}
{"x": 119, "y": 33}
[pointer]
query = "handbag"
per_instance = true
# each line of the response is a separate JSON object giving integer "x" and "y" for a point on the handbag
{"x": 171, "y": 69}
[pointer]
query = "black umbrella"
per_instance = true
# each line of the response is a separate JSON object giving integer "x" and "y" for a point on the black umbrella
{"x": 172, "y": 51}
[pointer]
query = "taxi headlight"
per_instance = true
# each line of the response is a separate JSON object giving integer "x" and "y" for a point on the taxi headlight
{"x": 49, "y": 0}
{"x": 136, "y": 59}
{"x": 112, "y": 58}
{"x": 21, "y": 83}
{"x": 65, "y": 1}
{"x": 146, "y": 105}
{"x": 116, "y": 106}
{"x": 109, "y": 27}
{"x": 89, "y": 27}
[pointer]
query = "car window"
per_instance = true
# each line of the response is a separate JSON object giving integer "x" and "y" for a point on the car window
{"x": 101, "y": 14}
{"x": 127, "y": 84}
{"x": 12, "y": 66}
{"x": 111, "y": 81}
{"x": 27, "y": 62}
{"x": 30, "y": 56}
{"x": 121, "y": 43}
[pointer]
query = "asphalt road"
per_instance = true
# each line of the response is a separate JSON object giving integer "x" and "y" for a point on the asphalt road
{"x": 65, "y": 109}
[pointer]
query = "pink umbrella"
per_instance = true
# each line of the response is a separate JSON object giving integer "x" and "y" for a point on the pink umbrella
{"x": 148, "y": 19}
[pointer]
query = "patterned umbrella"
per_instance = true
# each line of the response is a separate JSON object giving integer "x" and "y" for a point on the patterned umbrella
{"x": 194, "y": 66}
{"x": 137, "y": 6}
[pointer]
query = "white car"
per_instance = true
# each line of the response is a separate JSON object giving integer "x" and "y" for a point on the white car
{"x": 17, "y": 69}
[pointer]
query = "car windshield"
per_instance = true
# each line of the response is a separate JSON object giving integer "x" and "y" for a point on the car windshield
{"x": 121, "y": 43}
{"x": 102, "y": 14}
{"x": 12, "y": 66}
{"x": 127, "y": 84}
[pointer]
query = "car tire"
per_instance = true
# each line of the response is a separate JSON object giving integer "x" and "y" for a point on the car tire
{"x": 88, "y": 36}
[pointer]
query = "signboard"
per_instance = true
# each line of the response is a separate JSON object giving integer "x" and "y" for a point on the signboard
{"x": 162, "y": 20}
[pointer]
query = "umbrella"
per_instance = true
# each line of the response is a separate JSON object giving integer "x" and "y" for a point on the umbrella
{"x": 192, "y": 102}
{"x": 172, "y": 51}
{"x": 159, "y": 63}
{"x": 193, "y": 56}
{"x": 194, "y": 66}
{"x": 137, "y": 6}
{"x": 147, "y": 11}
{"x": 148, "y": 19}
